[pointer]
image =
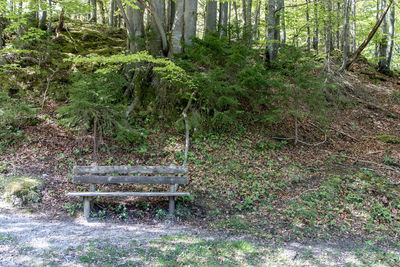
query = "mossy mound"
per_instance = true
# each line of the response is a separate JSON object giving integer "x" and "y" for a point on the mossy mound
{"x": 21, "y": 190}
{"x": 389, "y": 139}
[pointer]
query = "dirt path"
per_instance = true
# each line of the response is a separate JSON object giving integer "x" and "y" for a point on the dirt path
{"x": 26, "y": 240}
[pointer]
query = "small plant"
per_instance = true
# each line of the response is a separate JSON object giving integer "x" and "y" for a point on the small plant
{"x": 72, "y": 208}
{"x": 160, "y": 213}
{"x": 124, "y": 214}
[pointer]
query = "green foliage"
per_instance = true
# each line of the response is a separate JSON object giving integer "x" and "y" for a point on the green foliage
{"x": 97, "y": 98}
{"x": 389, "y": 139}
{"x": 14, "y": 114}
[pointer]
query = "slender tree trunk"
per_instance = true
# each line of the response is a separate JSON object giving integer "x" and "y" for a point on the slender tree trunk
{"x": 135, "y": 16}
{"x": 211, "y": 17}
{"x": 236, "y": 22}
{"x": 102, "y": 11}
{"x": 247, "y": 5}
{"x": 383, "y": 64}
{"x": 93, "y": 14}
{"x": 177, "y": 28}
{"x": 256, "y": 22}
{"x": 378, "y": 8}
{"x": 43, "y": 20}
{"x": 273, "y": 35}
{"x": 328, "y": 41}
{"x": 190, "y": 20}
{"x": 369, "y": 37}
{"x": 308, "y": 26}
{"x": 353, "y": 27}
{"x": 316, "y": 28}
{"x": 169, "y": 17}
{"x": 391, "y": 34}
{"x": 111, "y": 13}
{"x": 156, "y": 16}
{"x": 283, "y": 22}
{"x": 223, "y": 18}
{"x": 338, "y": 20}
{"x": 347, "y": 7}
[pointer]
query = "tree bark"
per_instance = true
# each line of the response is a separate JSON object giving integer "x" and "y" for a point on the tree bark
{"x": 383, "y": 64}
{"x": 347, "y": 7}
{"x": 135, "y": 17}
{"x": 211, "y": 17}
{"x": 308, "y": 26}
{"x": 190, "y": 21}
{"x": 272, "y": 36}
{"x": 223, "y": 19}
{"x": 316, "y": 28}
{"x": 111, "y": 13}
{"x": 369, "y": 37}
{"x": 391, "y": 34}
{"x": 177, "y": 29}
{"x": 102, "y": 11}
{"x": 93, "y": 13}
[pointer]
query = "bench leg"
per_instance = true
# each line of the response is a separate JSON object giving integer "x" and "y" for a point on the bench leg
{"x": 171, "y": 206}
{"x": 86, "y": 207}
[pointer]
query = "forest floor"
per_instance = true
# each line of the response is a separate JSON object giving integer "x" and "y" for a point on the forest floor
{"x": 26, "y": 240}
{"x": 256, "y": 199}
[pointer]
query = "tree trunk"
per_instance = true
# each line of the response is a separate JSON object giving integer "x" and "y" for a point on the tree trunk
{"x": 223, "y": 19}
{"x": 102, "y": 11}
{"x": 370, "y": 35}
{"x": 247, "y": 5}
{"x": 190, "y": 21}
{"x": 283, "y": 22}
{"x": 383, "y": 64}
{"x": 316, "y": 28}
{"x": 347, "y": 7}
{"x": 156, "y": 16}
{"x": 272, "y": 24}
{"x": 391, "y": 34}
{"x": 328, "y": 40}
{"x": 308, "y": 27}
{"x": 169, "y": 17}
{"x": 211, "y": 17}
{"x": 135, "y": 17}
{"x": 43, "y": 19}
{"x": 353, "y": 27}
{"x": 111, "y": 14}
{"x": 177, "y": 29}
{"x": 93, "y": 13}
{"x": 236, "y": 20}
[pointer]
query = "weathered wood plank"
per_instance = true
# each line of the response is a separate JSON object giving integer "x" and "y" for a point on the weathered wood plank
{"x": 98, "y": 179}
{"x": 129, "y": 169}
{"x": 128, "y": 194}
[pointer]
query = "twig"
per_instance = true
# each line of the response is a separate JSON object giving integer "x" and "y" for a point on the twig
{"x": 345, "y": 134}
{"x": 49, "y": 79}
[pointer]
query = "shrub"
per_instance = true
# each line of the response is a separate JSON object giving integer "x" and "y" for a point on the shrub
{"x": 96, "y": 104}
{"x": 14, "y": 114}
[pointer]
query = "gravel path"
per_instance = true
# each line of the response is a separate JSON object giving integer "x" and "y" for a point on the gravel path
{"x": 26, "y": 240}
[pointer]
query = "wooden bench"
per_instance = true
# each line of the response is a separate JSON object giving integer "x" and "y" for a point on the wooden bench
{"x": 129, "y": 175}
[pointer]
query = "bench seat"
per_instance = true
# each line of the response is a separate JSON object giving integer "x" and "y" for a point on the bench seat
{"x": 162, "y": 175}
{"x": 128, "y": 194}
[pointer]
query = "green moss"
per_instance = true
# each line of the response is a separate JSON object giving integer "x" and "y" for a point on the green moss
{"x": 26, "y": 189}
{"x": 389, "y": 139}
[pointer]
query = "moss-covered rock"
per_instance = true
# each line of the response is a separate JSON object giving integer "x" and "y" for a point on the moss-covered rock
{"x": 389, "y": 139}
{"x": 21, "y": 190}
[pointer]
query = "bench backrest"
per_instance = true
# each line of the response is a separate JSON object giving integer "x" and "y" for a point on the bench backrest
{"x": 123, "y": 174}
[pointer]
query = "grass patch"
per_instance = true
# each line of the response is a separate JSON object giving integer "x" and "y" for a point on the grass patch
{"x": 27, "y": 189}
{"x": 389, "y": 139}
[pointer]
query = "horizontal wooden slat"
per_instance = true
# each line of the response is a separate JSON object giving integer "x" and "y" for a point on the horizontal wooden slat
{"x": 98, "y": 179}
{"x": 128, "y": 169}
{"x": 128, "y": 194}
